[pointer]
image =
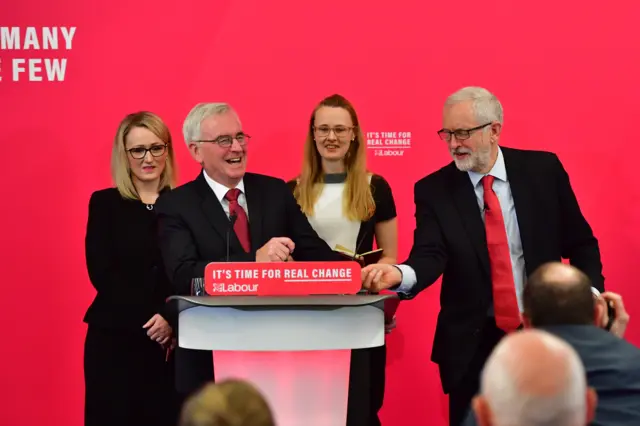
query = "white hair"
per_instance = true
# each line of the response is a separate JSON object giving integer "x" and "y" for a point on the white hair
{"x": 486, "y": 106}
{"x": 191, "y": 126}
{"x": 513, "y": 404}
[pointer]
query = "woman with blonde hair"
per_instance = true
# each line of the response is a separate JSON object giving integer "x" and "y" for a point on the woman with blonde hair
{"x": 128, "y": 374}
{"x": 349, "y": 207}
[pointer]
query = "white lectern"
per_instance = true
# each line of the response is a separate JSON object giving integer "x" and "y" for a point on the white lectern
{"x": 296, "y": 350}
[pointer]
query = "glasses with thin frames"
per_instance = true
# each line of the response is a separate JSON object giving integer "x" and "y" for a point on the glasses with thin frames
{"x": 225, "y": 141}
{"x": 460, "y": 134}
{"x": 139, "y": 152}
{"x": 339, "y": 131}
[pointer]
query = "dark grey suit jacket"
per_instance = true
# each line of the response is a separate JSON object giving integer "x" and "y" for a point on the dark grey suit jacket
{"x": 613, "y": 370}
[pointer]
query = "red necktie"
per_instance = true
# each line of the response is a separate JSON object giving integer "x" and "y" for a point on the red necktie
{"x": 241, "y": 227}
{"x": 505, "y": 304}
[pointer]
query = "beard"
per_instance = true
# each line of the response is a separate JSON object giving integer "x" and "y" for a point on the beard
{"x": 474, "y": 161}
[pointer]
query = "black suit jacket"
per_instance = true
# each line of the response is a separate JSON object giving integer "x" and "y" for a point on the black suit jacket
{"x": 450, "y": 240}
{"x": 613, "y": 370}
{"x": 193, "y": 229}
{"x": 124, "y": 263}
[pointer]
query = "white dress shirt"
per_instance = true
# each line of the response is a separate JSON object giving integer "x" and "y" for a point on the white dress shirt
{"x": 503, "y": 190}
{"x": 221, "y": 191}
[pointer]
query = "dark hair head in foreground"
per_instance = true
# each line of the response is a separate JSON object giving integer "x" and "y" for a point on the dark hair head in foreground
{"x": 558, "y": 294}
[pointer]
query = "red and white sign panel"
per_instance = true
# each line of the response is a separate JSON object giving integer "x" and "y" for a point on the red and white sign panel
{"x": 281, "y": 278}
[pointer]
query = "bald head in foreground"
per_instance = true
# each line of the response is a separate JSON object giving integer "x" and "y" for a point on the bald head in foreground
{"x": 533, "y": 378}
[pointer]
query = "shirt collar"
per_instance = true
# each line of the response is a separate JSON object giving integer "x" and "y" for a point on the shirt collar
{"x": 499, "y": 171}
{"x": 219, "y": 189}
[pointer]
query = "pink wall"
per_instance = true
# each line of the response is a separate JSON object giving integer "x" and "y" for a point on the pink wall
{"x": 565, "y": 72}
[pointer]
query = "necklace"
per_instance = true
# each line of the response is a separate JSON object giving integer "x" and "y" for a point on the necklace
{"x": 149, "y": 206}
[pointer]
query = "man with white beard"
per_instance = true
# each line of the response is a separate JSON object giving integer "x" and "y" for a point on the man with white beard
{"x": 484, "y": 222}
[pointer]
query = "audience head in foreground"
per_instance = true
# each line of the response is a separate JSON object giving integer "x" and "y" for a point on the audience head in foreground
{"x": 533, "y": 378}
{"x": 227, "y": 403}
{"x": 560, "y": 294}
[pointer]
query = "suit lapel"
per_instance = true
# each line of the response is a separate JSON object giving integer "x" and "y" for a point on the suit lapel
{"x": 464, "y": 198}
{"x": 521, "y": 193}
{"x": 215, "y": 215}
{"x": 255, "y": 206}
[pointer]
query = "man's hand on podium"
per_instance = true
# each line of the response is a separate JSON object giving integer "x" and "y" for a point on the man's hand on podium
{"x": 276, "y": 250}
{"x": 380, "y": 276}
{"x": 159, "y": 329}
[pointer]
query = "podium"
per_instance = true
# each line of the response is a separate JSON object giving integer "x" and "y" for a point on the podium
{"x": 295, "y": 349}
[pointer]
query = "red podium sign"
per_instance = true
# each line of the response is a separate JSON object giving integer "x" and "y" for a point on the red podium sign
{"x": 281, "y": 278}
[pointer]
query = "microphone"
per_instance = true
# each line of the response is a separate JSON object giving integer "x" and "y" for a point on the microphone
{"x": 232, "y": 220}
{"x": 486, "y": 207}
{"x": 197, "y": 286}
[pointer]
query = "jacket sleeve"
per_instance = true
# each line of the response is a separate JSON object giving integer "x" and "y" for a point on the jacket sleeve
{"x": 428, "y": 256}
{"x": 101, "y": 266}
{"x": 579, "y": 245}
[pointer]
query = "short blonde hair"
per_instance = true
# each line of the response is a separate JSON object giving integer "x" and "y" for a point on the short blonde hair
{"x": 228, "y": 403}
{"x": 120, "y": 169}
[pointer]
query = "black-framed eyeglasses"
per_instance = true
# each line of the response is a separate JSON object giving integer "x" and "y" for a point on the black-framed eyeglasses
{"x": 225, "y": 141}
{"x": 339, "y": 131}
{"x": 139, "y": 152}
{"x": 460, "y": 134}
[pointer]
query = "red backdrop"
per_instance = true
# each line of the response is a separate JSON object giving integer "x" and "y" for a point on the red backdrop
{"x": 565, "y": 72}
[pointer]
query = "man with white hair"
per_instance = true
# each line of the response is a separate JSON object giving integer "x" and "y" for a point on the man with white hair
{"x": 484, "y": 222}
{"x": 533, "y": 378}
{"x": 226, "y": 215}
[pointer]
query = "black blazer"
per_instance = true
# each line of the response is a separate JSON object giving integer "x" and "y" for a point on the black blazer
{"x": 613, "y": 370}
{"x": 450, "y": 240}
{"x": 124, "y": 263}
{"x": 193, "y": 229}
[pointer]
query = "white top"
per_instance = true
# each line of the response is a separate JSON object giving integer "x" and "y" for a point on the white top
{"x": 329, "y": 221}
